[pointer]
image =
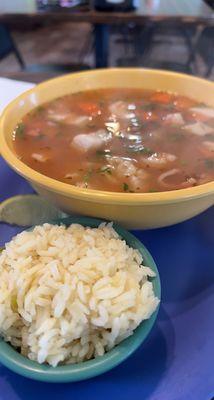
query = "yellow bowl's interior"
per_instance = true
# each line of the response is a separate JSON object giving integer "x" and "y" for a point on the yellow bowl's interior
{"x": 193, "y": 87}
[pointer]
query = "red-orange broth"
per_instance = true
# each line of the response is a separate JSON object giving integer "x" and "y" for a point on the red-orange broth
{"x": 126, "y": 140}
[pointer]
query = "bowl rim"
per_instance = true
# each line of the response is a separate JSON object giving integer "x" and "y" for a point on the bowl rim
{"x": 92, "y": 195}
{"x": 88, "y": 369}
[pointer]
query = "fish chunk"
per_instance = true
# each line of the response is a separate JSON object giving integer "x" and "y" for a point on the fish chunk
{"x": 198, "y": 128}
{"x": 174, "y": 118}
{"x": 139, "y": 181}
{"x": 159, "y": 160}
{"x": 126, "y": 169}
{"x": 120, "y": 110}
{"x": 91, "y": 141}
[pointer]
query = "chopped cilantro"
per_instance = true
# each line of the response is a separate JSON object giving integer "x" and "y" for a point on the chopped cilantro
{"x": 39, "y": 109}
{"x": 103, "y": 153}
{"x": 105, "y": 169}
{"x": 141, "y": 150}
{"x": 210, "y": 137}
{"x": 176, "y": 136}
{"x": 87, "y": 176}
{"x": 20, "y": 130}
{"x": 209, "y": 163}
{"x": 125, "y": 187}
{"x": 40, "y": 136}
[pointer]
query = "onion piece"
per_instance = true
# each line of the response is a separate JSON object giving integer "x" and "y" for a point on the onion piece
{"x": 39, "y": 157}
{"x": 205, "y": 111}
{"x": 161, "y": 179}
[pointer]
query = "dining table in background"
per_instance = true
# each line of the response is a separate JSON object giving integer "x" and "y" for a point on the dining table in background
{"x": 171, "y": 12}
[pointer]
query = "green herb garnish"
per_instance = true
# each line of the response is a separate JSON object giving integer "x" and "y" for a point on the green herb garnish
{"x": 209, "y": 163}
{"x": 103, "y": 153}
{"x": 20, "y": 130}
{"x": 87, "y": 177}
{"x": 176, "y": 136}
{"x": 105, "y": 169}
{"x": 91, "y": 125}
{"x": 125, "y": 187}
{"x": 40, "y": 109}
{"x": 141, "y": 150}
{"x": 184, "y": 163}
{"x": 149, "y": 107}
{"x": 168, "y": 107}
{"x": 40, "y": 136}
{"x": 59, "y": 133}
{"x": 210, "y": 137}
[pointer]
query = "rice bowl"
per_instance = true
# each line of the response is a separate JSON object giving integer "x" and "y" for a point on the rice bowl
{"x": 45, "y": 335}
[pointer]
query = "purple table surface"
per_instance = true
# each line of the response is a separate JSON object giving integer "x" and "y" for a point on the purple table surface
{"x": 176, "y": 362}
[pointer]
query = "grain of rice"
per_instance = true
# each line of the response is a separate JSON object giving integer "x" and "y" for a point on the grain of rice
{"x": 70, "y": 294}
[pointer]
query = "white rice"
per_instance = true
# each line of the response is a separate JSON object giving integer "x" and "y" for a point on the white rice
{"x": 71, "y": 294}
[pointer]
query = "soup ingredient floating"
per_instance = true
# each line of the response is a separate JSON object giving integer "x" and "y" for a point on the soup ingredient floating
{"x": 71, "y": 294}
{"x": 28, "y": 210}
{"x": 126, "y": 140}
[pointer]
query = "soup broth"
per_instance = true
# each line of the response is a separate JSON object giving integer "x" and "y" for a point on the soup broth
{"x": 121, "y": 140}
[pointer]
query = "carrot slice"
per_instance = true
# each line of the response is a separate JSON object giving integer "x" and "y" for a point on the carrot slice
{"x": 161, "y": 97}
{"x": 89, "y": 108}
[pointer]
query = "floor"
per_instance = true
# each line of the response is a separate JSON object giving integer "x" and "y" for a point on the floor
{"x": 73, "y": 43}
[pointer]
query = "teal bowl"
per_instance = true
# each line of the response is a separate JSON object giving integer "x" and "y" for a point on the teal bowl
{"x": 87, "y": 369}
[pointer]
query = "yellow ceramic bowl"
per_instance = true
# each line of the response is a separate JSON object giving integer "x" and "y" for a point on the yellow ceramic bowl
{"x": 142, "y": 210}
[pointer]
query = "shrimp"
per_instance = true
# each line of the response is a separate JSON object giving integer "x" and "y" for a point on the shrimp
{"x": 159, "y": 160}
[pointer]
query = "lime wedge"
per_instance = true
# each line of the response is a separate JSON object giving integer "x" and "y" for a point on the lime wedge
{"x": 27, "y": 210}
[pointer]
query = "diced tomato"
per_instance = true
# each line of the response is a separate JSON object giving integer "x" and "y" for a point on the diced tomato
{"x": 89, "y": 108}
{"x": 160, "y": 97}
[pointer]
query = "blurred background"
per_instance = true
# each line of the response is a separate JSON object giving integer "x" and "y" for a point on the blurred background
{"x": 45, "y": 38}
